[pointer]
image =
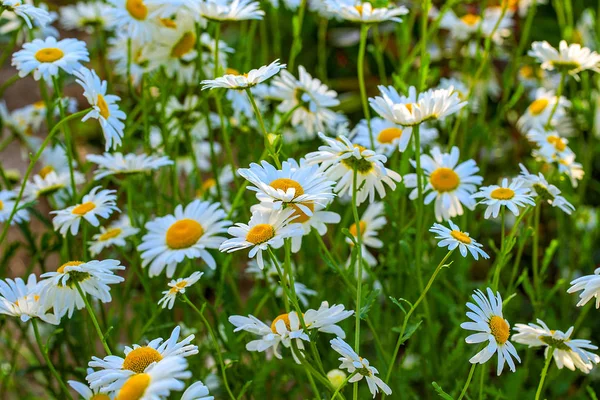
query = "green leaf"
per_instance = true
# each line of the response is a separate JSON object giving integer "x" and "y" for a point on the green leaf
{"x": 548, "y": 254}
{"x": 399, "y": 304}
{"x": 441, "y": 392}
{"x": 368, "y": 303}
{"x": 410, "y": 330}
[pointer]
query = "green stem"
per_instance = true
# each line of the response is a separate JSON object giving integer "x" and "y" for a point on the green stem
{"x": 359, "y": 271}
{"x": 536, "y": 247}
{"x": 468, "y": 382}
{"x": 559, "y": 91}
{"x": 94, "y": 319}
{"x": 538, "y": 393}
{"x": 44, "y": 350}
{"x": 68, "y": 136}
{"x": 268, "y": 143}
{"x": 364, "y": 30}
{"x": 297, "y": 41}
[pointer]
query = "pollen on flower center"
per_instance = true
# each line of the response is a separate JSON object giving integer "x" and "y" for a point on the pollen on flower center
{"x": 110, "y": 234}
{"x": 502, "y": 194}
{"x": 359, "y": 8}
{"x": 138, "y": 359}
{"x": 500, "y": 329}
{"x": 283, "y": 317}
{"x": 409, "y": 106}
{"x": 1, "y": 205}
{"x": 137, "y": 9}
{"x": 538, "y": 106}
{"x": 388, "y": 135}
{"x": 45, "y": 171}
{"x": 461, "y": 237}
{"x": 49, "y": 54}
{"x": 134, "y": 388}
{"x": 168, "y": 23}
{"x": 285, "y": 184}
{"x": 100, "y": 396}
{"x": 301, "y": 216}
{"x": 470, "y": 19}
{"x": 184, "y": 45}
{"x": 184, "y": 233}
{"x": 444, "y": 179}
{"x": 61, "y": 269}
{"x": 354, "y": 230}
{"x": 181, "y": 284}
{"x": 557, "y": 142}
{"x": 83, "y": 208}
{"x": 527, "y": 71}
{"x": 260, "y": 233}
{"x": 101, "y": 103}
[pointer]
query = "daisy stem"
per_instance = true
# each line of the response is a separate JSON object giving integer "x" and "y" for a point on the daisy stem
{"x": 322, "y": 49}
{"x": 364, "y": 31}
{"x": 94, "y": 319}
{"x": 538, "y": 393}
{"x": 44, "y": 350}
{"x": 283, "y": 278}
{"x": 468, "y": 382}
{"x": 297, "y": 42}
{"x": 268, "y": 143}
{"x": 502, "y": 222}
{"x": 559, "y": 91}
{"x": 215, "y": 342}
{"x": 337, "y": 391}
{"x": 68, "y": 136}
{"x": 359, "y": 260}
{"x": 35, "y": 158}
{"x": 536, "y": 247}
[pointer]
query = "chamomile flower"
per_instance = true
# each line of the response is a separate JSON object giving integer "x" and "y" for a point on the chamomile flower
{"x": 113, "y": 371}
{"x": 538, "y": 112}
{"x": 85, "y": 392}
{"x": 178, "y": 286}
{"x": 339, "y": 158}
{"x": 113, "y": 235}
{"x": 104, "y": 107}
{"x": 570, "y": 353}
{"x": 23, "y": 300}
{"x": 189, "y": 233}
{"x": 326, "y": 318}
{"x": 46, "y": 184}
{"x": 540, "y": 187}
{"x": 364, "y": 12}
{"x": 284, "y": 330}
{"x": 511, "y": 196}
{"x": 371, "y": 222}
{"x": 266, "y": 229}
{"x": 45, "y": 57}
{"x": 85, "y": 16}
{"x": 589, "y": 285}
{"x": 336, "y": 377}
{"x": 117, "y": 163}
{"x": 197, "y": 391}
{"x": 360, "y": 367}
{"x": 491, "y": 327}
{"x": 550, "y": 145}
{"x": 245, "y": 81}
{"x": 454, "y": 237}
{"x": 7, "y": 203}
{"x": 448, "y": 183}
{"x": 493, "y": 21}
{"x": 60, "y": 288}
{"x": 388, "y": 136}
{"x": 132, "y": 18}
{"x": 574, "y": 170}
{"x": 230, "y": 10}
{"x": 28, "y": 12}
{"x": 570, "y": 58}
{"x": 97, "y": 203}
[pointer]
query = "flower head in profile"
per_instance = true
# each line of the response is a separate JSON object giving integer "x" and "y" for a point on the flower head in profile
{"x": 369, "y": 225}
{"x": 30, "y": 13}
{"x": 570, "y": 353}
{"x": 119, "y": 163}
{"x": 538, "y": 113}
{"x": 360, "y": 366}
{"x": 540, "y": 188}
{"x": 365, "y": 12}
{"x": 50, "y": 183}
{"x": 245, "y": 81}
{"x": 454, "y": 237}
{"x": 178, "y": 286}
{"x": 487, "y": 320}
{"x": 230, "y": 10}
{"x": 7, "y": 204}
{"x": 589, "y": 285}
{"x": 23, "y": 300}
{"x": 85, "y": 16}
{"x": 569, "y": 58}
{"x": 511, "y": 196}
{"x": 390, "y": 137}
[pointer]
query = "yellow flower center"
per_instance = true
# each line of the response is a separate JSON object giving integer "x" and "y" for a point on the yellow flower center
{"x": 502, "y": 194}
{"x": 409, "y": 106}
{"x": 184, "y": 233}
{"x": 538, "y": 106}
{"x": 168, "y": 23}
{"x": 101, "y": 103}
{"x": 359, "y": 8}
{"x": 527, "y": 71}
{"x": 232, "y": 71}
{"x": 300, "y": 215}
{"x": 49, "y": 54}
{"x": 1, "y": 205}
{"x": 260, "y": 233}
{"x": 83, "y": 208}
{"x": 500, "y": 329}
{"x": 138, "y": 359}
{"x": 444, "y": 179}
{"x": 461, "y": 237}
{"x": 137, "y": 9}
{"x": 184, "y": 45}
{"x": 134, "y": 388}
{"x": 100, "y": 396}
{"x": 45, "y": 171}
{"x": 354, "y": 231}
{"x": 38, "y": 105}
{"x": 61, "y": 269}
{"x": 388, "y": 135}
{"x": 283, "y": 317}
{"x": 557, "y": 142}
{"x": 110, "y": 234}
{"x": 470, "y": 19}
{"x": 181, "y": 284}
{"x": 285, "y": 184}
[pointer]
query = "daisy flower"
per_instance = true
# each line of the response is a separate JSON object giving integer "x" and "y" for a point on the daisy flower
{"x": 449, "y": 183}
{"x": 46, "y": 184}
{"x": 570, "y": 58}
{"x": 117, "y": 163}
{"x": 568, "y": 166}
{"x": 491, "y": 22}
{"x": 325, "y": 319}
{"x": 310, "y": 99}
{"x": 45, "y": 57}
{"x": 23, "y": 300}
{"x": 551, "y": 146}
{"x": 197, "y": 391}
{"x": 97, "y": 203}
{"x": 511, "y": 196}
{"x": 93, "y": 277}
{"x": 336, "y": 377}
{"x": 245, "y": 81}
{"x": 7, "y": 203}
{"x": 230, "y": 10}
{"x": 188, "y": 233}
{"x": 132, "y": 18}
{"x": 491, "y": 327}
{"x": 339, "y": 158}
{"x": 364, "y": 12}
{"x": 538, "y": 112}
{"x": 113, "y": 235}
{"x": 570, "y": 353}
{"x": 454, "y": 237}
{"x": 28, "y": 12}
{"x": 114, "y": 371}
{"x": 372, "y": 220}
{"x": 85, "y": 392}
{"x": 388, "y": 136}
{"x": 266, "y": 229}
{"x": 540, "y": 187}
{"x": 104, "y": 107}
{"x": 589, "y": 285}
{"x": 359, "y": 366}
{"x": 178, "y": 286}
{"x": 85, "y": 16}
{"x": 136, "y": 65}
